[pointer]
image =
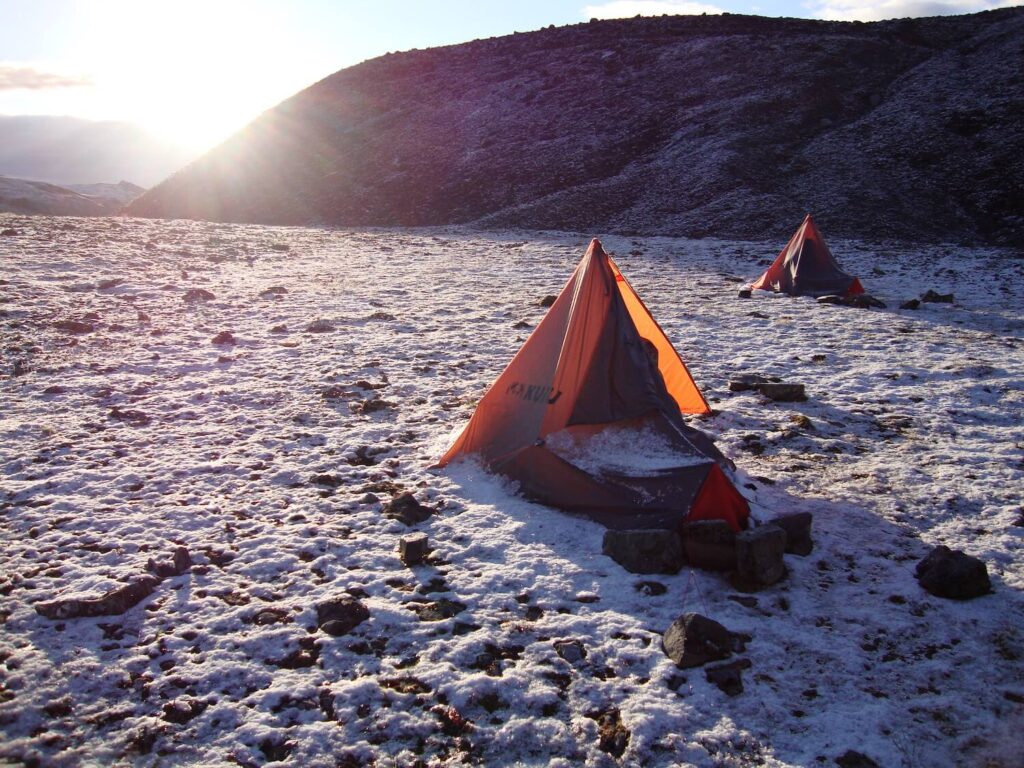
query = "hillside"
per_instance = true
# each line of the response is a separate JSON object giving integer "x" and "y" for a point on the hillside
{"x": 38, "y": 197}
{"x": 731, "y": 126}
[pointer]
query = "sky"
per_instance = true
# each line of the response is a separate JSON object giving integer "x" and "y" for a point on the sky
{"x": 195, "y": 71}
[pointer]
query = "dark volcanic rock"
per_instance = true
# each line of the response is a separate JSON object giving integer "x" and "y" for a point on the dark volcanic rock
{"x": 951, "y": 573}
{"x": 645, "y": 551}
{"x": 406, "y": 509}
{"x": 853, "y": 759}
{"x": 197, "y": 295}
{"x": 710, "y": 544}
{"x": 573, "y": 651}
{"x": 783, "y": 393}
{"x": 413, "y": 548}
{"x": 113, "y": 603}
{"x": 759, "y": 553}
{"x": 73, "y": 326}
{"x": 798, "y": 532}
{"x": 341, "y": 614}
{"x": 694, "y": 640}
{"x": 728, "y": 677}
{"x": 931, "y": 297}
{"x": 728, "y": 115}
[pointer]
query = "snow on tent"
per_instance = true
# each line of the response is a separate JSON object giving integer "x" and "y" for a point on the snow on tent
{"x": 587, "y": 416}
{"x": 806, "y": 266}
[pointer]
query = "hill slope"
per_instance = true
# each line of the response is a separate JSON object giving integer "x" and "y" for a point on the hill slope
{"x": 38, "y": 197}
{"x": 731, "y": 126}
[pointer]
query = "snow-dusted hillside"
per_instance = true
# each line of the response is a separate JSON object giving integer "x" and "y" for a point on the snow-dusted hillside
{"x": 39, "y": 197}
{"x": 269, "y": 459}
{"x": 718, "y": 125}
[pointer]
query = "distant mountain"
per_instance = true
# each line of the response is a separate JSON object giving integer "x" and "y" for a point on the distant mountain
{"x": 69, "y": 150}
{"x": 123, "y": 192}
{"x": 731, "y": 126}
{"x": 23, "y": 196}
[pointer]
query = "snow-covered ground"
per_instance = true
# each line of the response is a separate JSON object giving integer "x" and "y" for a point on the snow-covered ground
{"x": 119, "y": 444}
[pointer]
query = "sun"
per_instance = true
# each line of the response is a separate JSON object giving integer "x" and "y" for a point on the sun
{"x": 193, "y": 72}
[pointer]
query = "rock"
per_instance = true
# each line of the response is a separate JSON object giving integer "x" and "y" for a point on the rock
{"x": 953, "y": 574}
{"x": 270, "y": 616}
{"x": 73, "y": 326}
{"x": 276, "y": 748}
{"x": 54, "y": 389}
{"x": 406, "y": 509}
{"x": 853, "y": 759}
{"x": 830, "y": 299}
{"x": 745, "y": 293}
{"x": 748, "y": 381}
{"x": 279, "y": 329}
{"x": 759, "y": 555}
{"x": 911, "y": 304}
{"x": 863, "y": 301}
{"x": 728, "y": 677}
{"x": 693, "y": 640}
{"x": 406, "y": 684}
{"x": 385, "y": 317}
{"x": 572, "y": 651}
{"x": 798, "y": 532}
{"x": 224, "y": 337}
{"x": 710, "y": 544}
{"x": 783, "y": 393}
{"x": 197, "y": 295}
{"x": 372, "y": 405}
{"x": 273, "y": 291}
{"x": 20, "y": 368}
{"x": 327, "y": 480}
{"x": 8, "y": 232}
{"x": 320, "y": 326}
{"x": 650, "y": 588}
{"x": 645, "y": 551}
{"x": 452, "y": 722}
{"x": 522, "y": 325}
{"x": 112, "y": 282}
{"x": 180, "y": 711}
{"x": 931, "y": 297}
{"x": 413, "y": 548}
{"x": 341, "y": 614}
{"x": 548, "y": 300}
{"x": 613, "y": 736}
{"x": 439, "y": 610}
{"x": 280, "y": 247}
{"x": 181, "y": 561}
{"x": 113, "y": 603}
{"x": 128, "y": 416}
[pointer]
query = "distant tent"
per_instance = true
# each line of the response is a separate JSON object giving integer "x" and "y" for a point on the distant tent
{"x": 806, "y": 266}
{"x": 587, "y": 416}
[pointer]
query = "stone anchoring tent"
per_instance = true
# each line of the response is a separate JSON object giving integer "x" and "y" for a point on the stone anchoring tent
{"x": 588, "y": 416}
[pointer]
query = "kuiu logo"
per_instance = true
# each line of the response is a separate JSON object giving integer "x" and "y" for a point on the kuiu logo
{"x": 533, "y": 393}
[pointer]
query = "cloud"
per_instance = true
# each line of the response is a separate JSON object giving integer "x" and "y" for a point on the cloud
{"x": 876, "y": 10}
{"x": 13, "y": 78}
{"x": 624, "y": 9}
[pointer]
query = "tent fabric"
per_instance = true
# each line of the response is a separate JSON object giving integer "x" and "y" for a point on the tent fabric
{"x": 598, "y": 365}
{"x": 806, "y": 266}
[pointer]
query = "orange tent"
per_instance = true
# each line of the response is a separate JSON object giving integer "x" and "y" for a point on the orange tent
{"x": 587, "y": 416}
{"x": 806, "y": 266}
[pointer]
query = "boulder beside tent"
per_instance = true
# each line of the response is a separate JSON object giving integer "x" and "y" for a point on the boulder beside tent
{"x": 588, "y": 415}
{"x": 806, "y": 266}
